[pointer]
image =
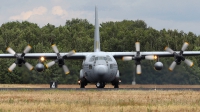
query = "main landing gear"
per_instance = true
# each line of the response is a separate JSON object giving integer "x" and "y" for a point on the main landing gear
{"x": 115, "y": 83}
{"x": 83, "y": 82}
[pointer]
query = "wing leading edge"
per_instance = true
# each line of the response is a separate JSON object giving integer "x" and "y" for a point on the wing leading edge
{"x": 119, "y": 55}
{"x": 82, "y": 55}
{"x": 79, "y": 55}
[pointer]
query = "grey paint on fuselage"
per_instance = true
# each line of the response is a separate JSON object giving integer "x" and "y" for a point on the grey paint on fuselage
{"x": 100, "y": 67}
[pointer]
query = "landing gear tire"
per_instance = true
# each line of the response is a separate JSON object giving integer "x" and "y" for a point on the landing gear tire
{"x": 100, "y": 84}
{"x": 115, "y": 83}
{"x": 83, "y": 83}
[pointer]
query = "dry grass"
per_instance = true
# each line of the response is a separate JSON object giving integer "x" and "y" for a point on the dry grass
{"x": 99, "y": 101}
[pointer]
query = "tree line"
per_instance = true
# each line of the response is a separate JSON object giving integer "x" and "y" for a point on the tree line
{"x": 78, "y": 34}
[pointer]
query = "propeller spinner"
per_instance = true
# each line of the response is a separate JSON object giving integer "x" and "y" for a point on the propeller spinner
{"x": 138, "y": 58}
{"x": 19, "y": 58}
{"x": 178, "y": 57}
{"x": 60, "y": 59}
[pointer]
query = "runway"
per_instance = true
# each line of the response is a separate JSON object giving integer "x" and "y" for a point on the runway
{"x": 91, "y": 87}
{"x": 100, "y": 89}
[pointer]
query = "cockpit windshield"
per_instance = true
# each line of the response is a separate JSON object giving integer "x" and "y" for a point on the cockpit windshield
{"x": 100, "y": 58}
{"x": 93, "y": 58}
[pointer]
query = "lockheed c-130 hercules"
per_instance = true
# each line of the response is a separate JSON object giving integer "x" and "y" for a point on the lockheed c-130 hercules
{"x": 99, "y": 67}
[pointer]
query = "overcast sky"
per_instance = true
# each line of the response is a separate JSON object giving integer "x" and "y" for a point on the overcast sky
{"x": 169, "y": 14}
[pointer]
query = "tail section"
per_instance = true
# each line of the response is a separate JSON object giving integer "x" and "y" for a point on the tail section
{"x": 96, "y": 33}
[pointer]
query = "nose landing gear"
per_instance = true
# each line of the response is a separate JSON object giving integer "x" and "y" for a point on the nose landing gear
{"x": 100, "y": 84}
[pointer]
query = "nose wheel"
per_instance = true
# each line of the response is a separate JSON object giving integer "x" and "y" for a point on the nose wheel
{"x": 100, "y": 84}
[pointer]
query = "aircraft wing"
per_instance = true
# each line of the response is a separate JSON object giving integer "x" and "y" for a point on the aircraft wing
{"x": 119, "y": 55}
{"x": 79, "y": 55}
{"x": 82, "y": 55}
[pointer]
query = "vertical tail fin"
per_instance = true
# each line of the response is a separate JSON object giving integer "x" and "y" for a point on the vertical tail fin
{"x": 96, "y": 33}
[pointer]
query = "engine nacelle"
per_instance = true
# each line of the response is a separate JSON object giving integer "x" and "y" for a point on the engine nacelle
{"x": 158, "y": 65}
{"x": 39, "y": 67}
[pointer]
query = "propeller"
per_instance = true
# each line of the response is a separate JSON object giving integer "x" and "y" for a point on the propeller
{"x": 138, "y": 58}
{"x": 178, "y": 57}
{"x": 19, "y": 58}
{"x": 60, "y": 59}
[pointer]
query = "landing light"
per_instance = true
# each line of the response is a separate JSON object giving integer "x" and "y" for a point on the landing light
{"x": 42, "y": 59}
{"x": 155, "y": 57}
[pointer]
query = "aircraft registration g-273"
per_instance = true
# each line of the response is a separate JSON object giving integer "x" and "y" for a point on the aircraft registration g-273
{"x": 99, "y": 67}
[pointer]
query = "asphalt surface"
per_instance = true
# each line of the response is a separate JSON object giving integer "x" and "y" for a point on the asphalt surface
{"x": 99, "y": 89}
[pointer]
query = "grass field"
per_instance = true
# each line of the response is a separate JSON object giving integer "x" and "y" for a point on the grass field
{"x": 99, "y": 101}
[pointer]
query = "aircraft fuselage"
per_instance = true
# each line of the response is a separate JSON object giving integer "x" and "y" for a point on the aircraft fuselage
{"x": 100, "y": 67}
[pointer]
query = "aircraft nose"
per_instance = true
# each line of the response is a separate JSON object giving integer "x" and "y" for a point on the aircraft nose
{"x": 101, "y": 70}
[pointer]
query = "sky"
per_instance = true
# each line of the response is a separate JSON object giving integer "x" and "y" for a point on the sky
{"x": 182, "y": 15}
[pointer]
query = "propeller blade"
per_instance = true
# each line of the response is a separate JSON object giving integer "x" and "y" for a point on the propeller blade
{"x": 127, "y": 58}
{"x": 137, "y": 46}
{"x": 55, "y": 49}
{"x": 184, "y": 47}
{"x": 138, "y": 69}
{"x": 189, "y": 62}
{"x": 27, "y": 49}
{"x": 29, "y": 66}
{"x": 172, "y": 66}
{"x": 169, "y": 50}
{"x": 66, "y": 70}
{"x": 50, "y": 64}
{"x": 151, "y": 57}
{"x": 12, "y": 67}
{"x": 10, "y": 50}
{"x": 71, "y": 53}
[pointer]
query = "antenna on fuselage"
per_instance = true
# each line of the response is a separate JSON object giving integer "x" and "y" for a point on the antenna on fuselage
{"x": 96, "y": 33}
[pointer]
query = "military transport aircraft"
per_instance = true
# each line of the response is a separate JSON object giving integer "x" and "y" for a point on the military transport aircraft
{"x": 99, "y": 67}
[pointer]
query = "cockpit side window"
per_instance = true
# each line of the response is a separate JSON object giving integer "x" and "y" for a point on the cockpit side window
{"x": 108, "y": 58}
{"x": 92, "y": 59}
